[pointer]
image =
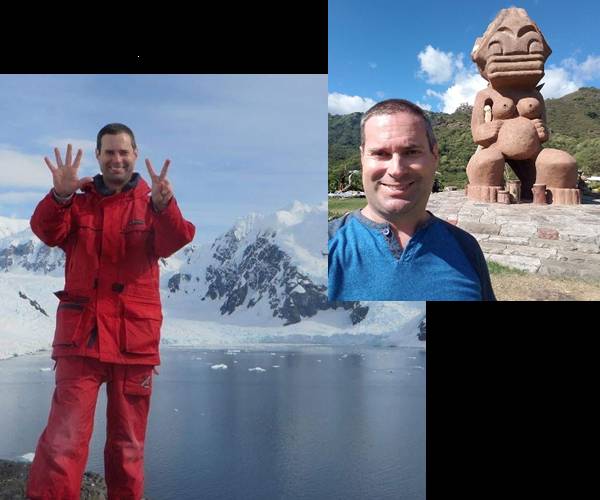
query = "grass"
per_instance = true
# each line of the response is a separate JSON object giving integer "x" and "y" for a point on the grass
{"x": 514, "y": 284}
{"x": 339, "y": 206}
{"x": 496, "y": 268}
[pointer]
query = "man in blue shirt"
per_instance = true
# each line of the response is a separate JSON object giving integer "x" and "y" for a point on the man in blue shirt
{"x": 394, "y": 249}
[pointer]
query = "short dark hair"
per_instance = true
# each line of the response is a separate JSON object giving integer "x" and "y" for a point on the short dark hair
{"x": 114, "y": 129}
{"x": 392, "y": 106}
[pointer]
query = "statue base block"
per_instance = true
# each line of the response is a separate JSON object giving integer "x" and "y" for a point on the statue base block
{"x": 558, "y": 240}
{"x": 488, "y": 194}
{"x": 564, "y": 196}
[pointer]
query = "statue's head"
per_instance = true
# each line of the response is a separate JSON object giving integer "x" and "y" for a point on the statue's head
{"x": 512, "y": 51}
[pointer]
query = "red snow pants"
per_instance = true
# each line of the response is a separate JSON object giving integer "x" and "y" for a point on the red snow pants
{"x": 62, "y": 451}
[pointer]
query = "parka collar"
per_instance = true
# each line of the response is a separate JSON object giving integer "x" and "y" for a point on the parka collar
{"x": 136, "y": 184}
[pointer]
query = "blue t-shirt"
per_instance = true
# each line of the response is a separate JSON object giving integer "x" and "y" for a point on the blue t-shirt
{"x": 440, "y": 262}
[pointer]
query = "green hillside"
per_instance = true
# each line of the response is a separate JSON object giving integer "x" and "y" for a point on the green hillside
{"x": 574, "y": 122}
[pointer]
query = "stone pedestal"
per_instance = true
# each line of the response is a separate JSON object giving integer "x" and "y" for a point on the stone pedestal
{"x": 514, "y": 188}
{"x": 564, "y": 196}
{"x": 504, "y": 197}
{"x": 488, "y": 194}
{"x": 539, "y": 194}
{"x": 562, "y": 240}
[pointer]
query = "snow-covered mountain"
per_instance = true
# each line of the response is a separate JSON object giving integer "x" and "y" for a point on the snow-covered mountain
{"x": 22, "y": 251}
{"x": 267, "y": 270}
{"x": 264, "y": 280}
{"x": 10, "y": 226}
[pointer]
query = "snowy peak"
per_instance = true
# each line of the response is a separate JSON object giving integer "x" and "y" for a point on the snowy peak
{"x": 10, "y": 226}
{"x": 22, "y": 251}
{"x": 274, "y": 267}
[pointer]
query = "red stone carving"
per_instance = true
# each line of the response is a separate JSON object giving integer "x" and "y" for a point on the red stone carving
{"x": 509, "y": 116}
{"x": 539, "y": 194}
{"x": 504, "y": 197}
{"x": 547, "y": 234}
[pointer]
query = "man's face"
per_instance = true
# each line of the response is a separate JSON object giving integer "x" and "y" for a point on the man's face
{"x": 116, "y": 159}
{"x": 397, "y": 166}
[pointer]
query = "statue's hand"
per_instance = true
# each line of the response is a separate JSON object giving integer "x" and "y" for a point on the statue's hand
{"x": 486, "y": 134}
{"x": 493, "y": 128}
{"x": 496, "y": 126}
{"x": 541, "y": 129}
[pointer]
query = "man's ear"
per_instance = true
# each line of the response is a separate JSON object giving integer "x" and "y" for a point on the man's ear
{"x": 97, "y": 154}
{"x": 436, "y": 153}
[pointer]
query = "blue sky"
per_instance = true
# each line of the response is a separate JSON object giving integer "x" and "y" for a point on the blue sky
{"x": 237, "y": 144}
{"x": 420, "y": 50}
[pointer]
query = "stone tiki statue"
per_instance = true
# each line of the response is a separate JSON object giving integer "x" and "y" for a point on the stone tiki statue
{"x": 509, "y": 116}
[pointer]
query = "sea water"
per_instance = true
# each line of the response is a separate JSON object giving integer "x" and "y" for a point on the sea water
{"x": 280, "y": 422}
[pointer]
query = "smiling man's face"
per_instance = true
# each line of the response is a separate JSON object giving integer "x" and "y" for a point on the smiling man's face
{"x": 398, "y": 167}
{"x": 117, "y": 160}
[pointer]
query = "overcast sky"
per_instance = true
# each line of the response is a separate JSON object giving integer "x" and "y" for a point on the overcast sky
{"x": 420, "y": 50}
{"x": 237, "y": 144}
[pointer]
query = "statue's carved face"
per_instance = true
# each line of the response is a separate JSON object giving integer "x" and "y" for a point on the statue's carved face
{"x": 512, "y": 51}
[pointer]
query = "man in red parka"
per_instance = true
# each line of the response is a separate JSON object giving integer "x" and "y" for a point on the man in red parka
{"x": 109, "y": 316}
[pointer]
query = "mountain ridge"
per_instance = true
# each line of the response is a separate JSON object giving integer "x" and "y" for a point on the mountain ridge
{"x": 573, "y": 120}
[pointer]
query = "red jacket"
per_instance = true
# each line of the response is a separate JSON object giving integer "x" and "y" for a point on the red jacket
{"x": 110, "y": 308}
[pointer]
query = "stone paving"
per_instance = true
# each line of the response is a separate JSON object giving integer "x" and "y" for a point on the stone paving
{"x": 545, "y": 239}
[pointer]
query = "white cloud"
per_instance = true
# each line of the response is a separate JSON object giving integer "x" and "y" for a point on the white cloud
{"x": 441, "y": 67}
{"x": 426, "y": 107}
{"x": 62, "y": 143}
{"x": 437, "y": 66}
{"x": 23, "y": 170}
{"x": 558, "y": 82}
{"x": 569, "y": 76}
{"x": 16, "y": 197}
{"x": 341, "y": 104}
{"x": 590, "y": 68}
{"x": 587, "y": 70}
{"x": 463, "y": 90}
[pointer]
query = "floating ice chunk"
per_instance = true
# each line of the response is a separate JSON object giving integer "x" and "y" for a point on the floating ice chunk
{"x": 257, "y": 369}
{"x": 28, "y": 457}
{"x": 273, "y": 354}
{"x": 412, "y": 357}
{"x": 232, "y": 352}
{"x": 45, "y": 369}
{"x": 198, "y": 358}
{"x": 219, "y": 367}
{"x": 275, "y": 366}
{"x": 418, "y": 367}
{"x": 175, "y": 409}
{"x": 319, "y": 361}
{"x": 344, "y": 356}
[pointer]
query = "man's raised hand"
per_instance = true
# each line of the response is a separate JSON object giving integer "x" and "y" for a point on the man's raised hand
{"x": 64, "y": 175}
{"x": 162, "y": 191}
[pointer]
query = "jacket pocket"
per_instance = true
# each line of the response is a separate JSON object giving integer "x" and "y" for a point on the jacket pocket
{"x": 142, "y": 326}
{"x": 68, "y": 318}
{"x": 138, "y": 380}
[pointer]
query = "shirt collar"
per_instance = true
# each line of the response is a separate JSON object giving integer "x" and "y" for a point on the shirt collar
{"x": 105, "y": 191}
{"x": 382, "y": 226}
